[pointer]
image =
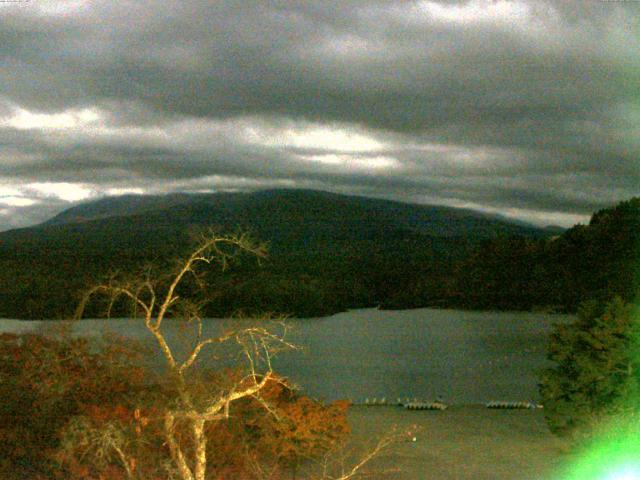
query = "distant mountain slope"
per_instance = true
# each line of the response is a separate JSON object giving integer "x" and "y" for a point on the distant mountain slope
{"x": 328, "y": 251}
{"x": 122, "y": 205}
{"x": 286, "y": 204}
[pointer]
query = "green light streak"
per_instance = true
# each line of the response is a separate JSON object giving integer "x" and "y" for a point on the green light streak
{"x": 609, "y": 459}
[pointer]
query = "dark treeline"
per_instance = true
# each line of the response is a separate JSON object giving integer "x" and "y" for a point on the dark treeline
{"x": 598, "y": 261}
{"x": 328, "y": 253}
{"x": 45, "y": 278}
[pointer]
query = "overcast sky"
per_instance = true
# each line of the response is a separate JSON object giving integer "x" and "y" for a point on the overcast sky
{"x": 530, "y": 108}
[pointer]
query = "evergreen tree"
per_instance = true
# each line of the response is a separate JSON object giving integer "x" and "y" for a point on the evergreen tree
{"x": 597, "y": 368}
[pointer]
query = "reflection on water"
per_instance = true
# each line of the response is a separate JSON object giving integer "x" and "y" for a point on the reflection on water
{"x": 465, "y": 357}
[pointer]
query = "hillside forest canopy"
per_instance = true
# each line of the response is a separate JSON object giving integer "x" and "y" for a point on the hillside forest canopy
{"x": 327, "y": 253}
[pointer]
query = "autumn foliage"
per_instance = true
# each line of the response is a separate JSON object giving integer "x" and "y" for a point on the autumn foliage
{"x": 75, "y": 409}
{"x": 45, "y": 382}
{"x": 89, "y": 410}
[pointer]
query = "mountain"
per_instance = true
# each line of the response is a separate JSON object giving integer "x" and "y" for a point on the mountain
{"x": 316, "y": 206}
{"x": 121, "y": 205}
{"x": 328, "y": 252}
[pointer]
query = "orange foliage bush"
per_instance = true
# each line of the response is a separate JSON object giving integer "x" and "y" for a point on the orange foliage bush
{"x": 68, "y": 407}
{"x": 293, "y": 429}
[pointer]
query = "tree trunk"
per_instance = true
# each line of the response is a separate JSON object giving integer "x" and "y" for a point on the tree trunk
{"x": 200, "y": 441}
{"x": 174, "y": 448}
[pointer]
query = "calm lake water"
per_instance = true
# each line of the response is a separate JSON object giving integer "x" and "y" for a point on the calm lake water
{"x": 465, "y": 357}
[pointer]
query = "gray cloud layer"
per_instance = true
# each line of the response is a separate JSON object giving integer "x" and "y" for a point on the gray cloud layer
{"x": 527, "y": 108}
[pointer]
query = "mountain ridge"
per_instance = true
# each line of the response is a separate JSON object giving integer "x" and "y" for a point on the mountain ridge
{"x": 328, "y": 251}
{"x": 131, "y": 204}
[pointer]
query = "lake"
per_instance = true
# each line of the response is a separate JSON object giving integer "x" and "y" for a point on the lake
{"x": 465, "y": 357}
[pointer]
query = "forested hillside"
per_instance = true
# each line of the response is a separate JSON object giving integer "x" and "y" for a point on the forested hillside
{"x": 588, "y": 262}
{"x": 327, "y": 252}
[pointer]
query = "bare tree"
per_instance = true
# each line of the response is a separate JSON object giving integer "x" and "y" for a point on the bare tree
{"x": 155, "y": 298}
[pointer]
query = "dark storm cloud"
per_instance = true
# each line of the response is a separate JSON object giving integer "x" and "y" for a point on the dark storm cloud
{"x": 526, "y": 105}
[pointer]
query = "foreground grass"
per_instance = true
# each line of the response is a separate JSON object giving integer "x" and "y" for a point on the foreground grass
{"x": 462, "y": 442}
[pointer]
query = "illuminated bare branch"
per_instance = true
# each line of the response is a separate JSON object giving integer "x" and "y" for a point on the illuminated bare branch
{"x": 157, "y": 297}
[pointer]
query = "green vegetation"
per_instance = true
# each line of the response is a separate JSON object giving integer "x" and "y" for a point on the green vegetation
{"x": 598, "y": 262}
{"x": 596, "y": 372}
{"x": 592, "y": 393}
{"x": 328, "y": 253}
